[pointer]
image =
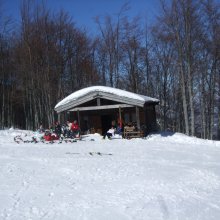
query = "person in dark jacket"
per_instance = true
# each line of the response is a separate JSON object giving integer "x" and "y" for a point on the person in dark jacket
{"x": 58, "y": 129}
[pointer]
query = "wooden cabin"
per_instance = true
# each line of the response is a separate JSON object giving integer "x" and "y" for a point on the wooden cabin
{"x": 96, "y": 108}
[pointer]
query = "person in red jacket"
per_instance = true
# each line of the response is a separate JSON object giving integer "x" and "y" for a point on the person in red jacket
{"x": 75, "y": 129}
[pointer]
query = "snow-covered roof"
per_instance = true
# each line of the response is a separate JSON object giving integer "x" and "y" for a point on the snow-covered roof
{"x": 89, "y": 93}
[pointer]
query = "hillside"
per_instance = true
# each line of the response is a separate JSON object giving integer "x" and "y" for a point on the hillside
{"x": 166, "y": 176}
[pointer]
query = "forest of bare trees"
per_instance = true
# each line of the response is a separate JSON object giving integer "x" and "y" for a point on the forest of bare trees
{"x": 175, "y": 59}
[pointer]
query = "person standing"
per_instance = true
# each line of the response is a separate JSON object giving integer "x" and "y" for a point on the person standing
{"x": 75, "y": 129}
{"x": 58, "y": 129}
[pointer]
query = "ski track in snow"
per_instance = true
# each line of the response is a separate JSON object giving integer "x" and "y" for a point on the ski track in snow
{"x": 158, "y": 178}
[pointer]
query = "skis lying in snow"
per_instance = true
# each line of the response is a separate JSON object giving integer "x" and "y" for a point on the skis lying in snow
{"x": 72, "y": 153}
{"x": 91, "y": 153}
{"x": 18, "y": 139}
{"x": 98, "y": 153}
{"x": 67, "y": 141}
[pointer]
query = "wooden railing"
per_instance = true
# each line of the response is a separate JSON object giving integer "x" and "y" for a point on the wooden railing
{"x": 130, "y": 132}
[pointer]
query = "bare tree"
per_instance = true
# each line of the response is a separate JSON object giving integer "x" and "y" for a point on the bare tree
{"x": 110, "y": 41}
{"x": 133, "y": 53}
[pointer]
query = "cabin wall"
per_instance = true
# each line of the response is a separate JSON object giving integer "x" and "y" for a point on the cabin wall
{"x": 150, "y": 118}
{"x": 100, "y": 121}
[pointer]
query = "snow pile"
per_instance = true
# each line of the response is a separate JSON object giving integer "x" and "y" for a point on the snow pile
{"x": 161, "y": 177}
{"x": 7, "y": 136}
{"x": 180, "y": 138}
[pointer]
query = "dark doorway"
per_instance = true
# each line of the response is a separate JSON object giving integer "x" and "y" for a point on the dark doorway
{"x": 106, "y": 123}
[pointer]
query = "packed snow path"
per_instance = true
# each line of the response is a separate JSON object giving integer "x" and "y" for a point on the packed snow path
{"x": 163, "y": 177}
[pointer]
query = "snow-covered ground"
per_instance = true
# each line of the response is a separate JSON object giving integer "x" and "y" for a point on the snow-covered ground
{"x": 166, "y": 176}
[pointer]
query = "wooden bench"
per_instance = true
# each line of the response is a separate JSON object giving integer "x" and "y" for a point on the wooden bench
{"x": 130, "y": 132}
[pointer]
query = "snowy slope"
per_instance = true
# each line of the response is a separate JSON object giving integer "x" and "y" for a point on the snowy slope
{"x": 168, "y": 176}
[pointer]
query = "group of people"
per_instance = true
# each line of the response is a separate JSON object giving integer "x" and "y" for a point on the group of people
{"x": 114, "y": 130}
{"x": 119, "y": 129}
{"x": 67, "y": 130}
{"x": 72, "y": 130}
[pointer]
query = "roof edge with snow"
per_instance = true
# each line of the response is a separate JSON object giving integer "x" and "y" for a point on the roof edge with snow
{"x": 87, "y": 94}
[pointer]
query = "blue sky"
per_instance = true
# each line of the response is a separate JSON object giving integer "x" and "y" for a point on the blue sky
{"x": 83, "y": 11}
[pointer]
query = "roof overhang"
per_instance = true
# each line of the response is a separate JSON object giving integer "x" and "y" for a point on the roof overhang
{"x": 101, "y": 107}
{"x": 74, "y": 103}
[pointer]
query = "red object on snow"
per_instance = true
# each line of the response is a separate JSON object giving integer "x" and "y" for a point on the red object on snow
{"x": 51, "y": 137}
{"x": 47, "y": 137}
